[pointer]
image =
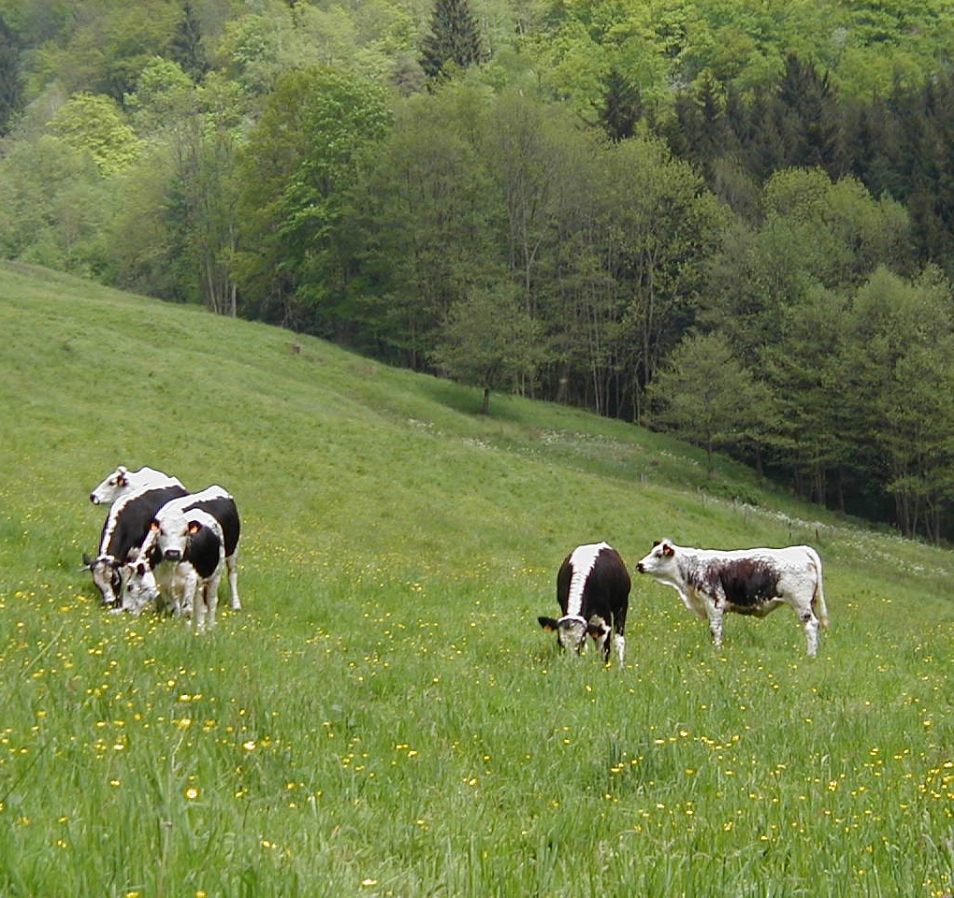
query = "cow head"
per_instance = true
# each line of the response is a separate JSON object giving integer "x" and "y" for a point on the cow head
{"x": 111, "y": 487}
{"x": 572, "y": 630}
{"x": 171, "y": 533}
{"x": 660, "y": 561}
{"x": 106, "y": 576}
{"x": 140, "y": 586}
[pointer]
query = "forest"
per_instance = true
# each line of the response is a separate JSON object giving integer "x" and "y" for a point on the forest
{"x": 730, "y": 220}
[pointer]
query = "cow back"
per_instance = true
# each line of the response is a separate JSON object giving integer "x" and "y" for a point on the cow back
{"x": 205, "y": 551}
{"x": 130, "y": 516}
{"x": 224, "y": 510}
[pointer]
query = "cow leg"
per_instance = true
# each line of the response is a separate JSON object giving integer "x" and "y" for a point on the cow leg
{"x": 232, "y": 564}
{"x": 619, "y": 625}
{"x": 620, "y": 649}
{"x": 716, "y": 616}
{"x": 198, "y": 608}
{"x": 212, "y": 600}
{"x": 185, "y": 589}
{"x": 810, "y": 626}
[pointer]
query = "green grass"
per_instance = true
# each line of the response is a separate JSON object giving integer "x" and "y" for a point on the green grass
{"x": 386, "y": 717}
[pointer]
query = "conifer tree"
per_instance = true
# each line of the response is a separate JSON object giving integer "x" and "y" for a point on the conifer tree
{"x": 454, "y": 39}
{"x": 187, "y": 48}
{"x": 11, "y": 85}
{"x": 622, "y": 106}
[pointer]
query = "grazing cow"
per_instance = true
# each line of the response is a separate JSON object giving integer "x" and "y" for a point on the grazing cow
{"x": 748, "y": 581}
{"x": 165, "y": 559}
{"x": 122, "y": 482}
{"x": 593, "y": 591}
{"x": 124, "y": 531}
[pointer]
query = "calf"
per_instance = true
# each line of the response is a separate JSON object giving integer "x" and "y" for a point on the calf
{"x": 158, "y": 569}
{"x": 123, "y": 533}
{"x": 593, "y": 592}
{"x": 748, "y": 581}
{"x": 122, "y": 482}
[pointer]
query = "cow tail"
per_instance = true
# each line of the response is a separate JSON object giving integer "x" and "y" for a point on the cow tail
{"x": 818, "y": 598}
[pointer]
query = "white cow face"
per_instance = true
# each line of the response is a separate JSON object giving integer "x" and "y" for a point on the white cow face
{"x": 172, "y": 535}
{"x": 110, "y": 489}
{"x": 661, "y": 561}
{"x": 571, "y": 631}
{"x": 141, "y": 588}
{"x": 106, "y": 576}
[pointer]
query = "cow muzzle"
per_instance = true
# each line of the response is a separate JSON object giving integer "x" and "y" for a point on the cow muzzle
{"x": 172, "y": 555}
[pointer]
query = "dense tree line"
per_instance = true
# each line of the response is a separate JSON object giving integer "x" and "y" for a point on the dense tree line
{"x": 729, "y": 219}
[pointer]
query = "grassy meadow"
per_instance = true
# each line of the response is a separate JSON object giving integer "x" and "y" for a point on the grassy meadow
{"x": 386, "y": 717}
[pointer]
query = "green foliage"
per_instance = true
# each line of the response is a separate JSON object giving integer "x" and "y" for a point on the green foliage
{"x": 490, "y": 341}
{"x": 385, "y": 717}
{"x": 422, "y": 217}
{"x": 92, "y": 123}
{"x": 706, "y": 396}
{"x": 53, "y": 206}
{"x": 905, "y": 373}
{"x": 299, "y": 162}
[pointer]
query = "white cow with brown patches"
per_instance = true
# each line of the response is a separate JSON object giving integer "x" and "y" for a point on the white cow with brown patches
{"x": 712, "y": 583}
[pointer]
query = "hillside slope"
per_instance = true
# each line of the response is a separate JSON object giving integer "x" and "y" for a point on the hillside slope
{"x": 386, "y": 717}
{"x": 346, "y": 457}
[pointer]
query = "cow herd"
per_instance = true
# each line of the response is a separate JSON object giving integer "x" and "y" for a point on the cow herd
{"x": 164, "y": 546}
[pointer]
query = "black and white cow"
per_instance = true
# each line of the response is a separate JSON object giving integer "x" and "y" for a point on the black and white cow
{"x": 125, "y": 529}
{"x": 171, "y": 560}
{"x": 746, "y": 581}
{"x": 122, "y": 482}
{"x": 593, "y": 592}
{"x": 192, "y": 543}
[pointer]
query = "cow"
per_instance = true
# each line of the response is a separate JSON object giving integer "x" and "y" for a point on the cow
{"x": 163, "y": 563}
{"x": 123, "y": 533}
{"x": 191, "y": 542}
{"x": 122, "y": 482}
{"x": 746, "y": 581}
{"x": 593, "y": 593}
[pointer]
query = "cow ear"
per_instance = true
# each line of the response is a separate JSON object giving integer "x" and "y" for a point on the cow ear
{"x": 154, "y": 526}
{"x": 548, "y": 623}
{"x": 87, "y": 563}
{"x": 194, "y": 527}
{"x": 668, "y": 550}
{"x": 655, "y": 543}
